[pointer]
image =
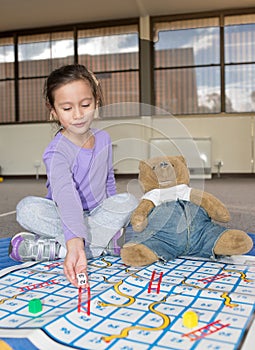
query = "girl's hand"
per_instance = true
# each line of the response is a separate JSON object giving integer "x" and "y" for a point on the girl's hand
{"x": 75, "y": 261}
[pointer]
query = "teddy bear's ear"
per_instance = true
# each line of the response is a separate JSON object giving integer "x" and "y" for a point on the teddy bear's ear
{"x": 142, "y": 164}
{"x": 182, "y": 159}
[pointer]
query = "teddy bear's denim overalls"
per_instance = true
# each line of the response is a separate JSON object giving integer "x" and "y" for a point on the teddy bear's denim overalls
{"x": 180, "y": 228}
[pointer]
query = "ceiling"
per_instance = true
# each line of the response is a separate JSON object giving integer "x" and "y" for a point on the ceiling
{"x": 24, "y": 14}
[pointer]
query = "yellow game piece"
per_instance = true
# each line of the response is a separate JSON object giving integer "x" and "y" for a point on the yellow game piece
{"x": 1, "y": 179}
{"x": 190, "y": 319}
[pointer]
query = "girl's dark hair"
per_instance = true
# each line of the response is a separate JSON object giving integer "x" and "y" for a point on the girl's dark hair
{"x": 68, "y": 74}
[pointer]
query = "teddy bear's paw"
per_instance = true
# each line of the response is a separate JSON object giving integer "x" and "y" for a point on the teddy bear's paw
{"x": 221, "y": 215}
{"x": 136, "y": 254}
{"x": 233, "y": 242}
{"x": 139, "y": 223}
{"x": 138, "y": 227}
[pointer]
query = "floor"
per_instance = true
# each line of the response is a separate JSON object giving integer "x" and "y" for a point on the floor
{"x": 237, "y": 192}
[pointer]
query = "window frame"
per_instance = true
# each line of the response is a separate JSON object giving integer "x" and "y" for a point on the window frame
{"x": 52, "y": 30}
{"x": 146, "y": 54}
{"x": 202, "y": 15}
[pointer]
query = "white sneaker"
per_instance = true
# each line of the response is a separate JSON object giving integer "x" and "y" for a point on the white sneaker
{"x": 26, "y": 246}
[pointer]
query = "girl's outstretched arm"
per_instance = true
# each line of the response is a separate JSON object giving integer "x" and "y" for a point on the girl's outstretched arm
{"x": 75, "y": 261}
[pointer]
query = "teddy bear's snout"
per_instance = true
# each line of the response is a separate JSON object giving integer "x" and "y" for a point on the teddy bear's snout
{"x": 164, "y": 164}
{"x": 165, "y": 173}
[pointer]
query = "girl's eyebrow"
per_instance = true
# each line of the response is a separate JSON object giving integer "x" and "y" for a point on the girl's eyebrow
{"x": 69, "y": 102}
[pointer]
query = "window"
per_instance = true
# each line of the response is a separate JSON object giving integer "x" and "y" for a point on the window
{"x": 112, "y": 53}
{"x": 201, "y": 69}
{"x": 38, "y": 55}
{"x": 202, "y": 64}
{"x": 239, "y": 38}
{"x": 7, "y": 84}
{"x": 187, "y": 66}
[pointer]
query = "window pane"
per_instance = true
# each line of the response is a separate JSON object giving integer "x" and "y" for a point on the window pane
{"x": 240, "y": 43}
{"x": 62, "y": 49}
{"x": 239, "y": 63}
{"x": 32, "y": 105}
{"x": 188, "y": 91}
{"x": 196, "y": 46}
{"x": 40, "y": 54}
{"x": 187, "y": 66}
{"x": 112, "y": 54}
{"x": 7, "y": 105}
{"x": 208, "y": 87}
{"x": 115, "y": 52}
{"x": 6, "y": 58}
{"x": 240, "y": 88}
{"x": 124, "y": 85}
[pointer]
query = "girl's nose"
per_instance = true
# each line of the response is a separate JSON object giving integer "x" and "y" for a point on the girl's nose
{"x": 78, "y": 114}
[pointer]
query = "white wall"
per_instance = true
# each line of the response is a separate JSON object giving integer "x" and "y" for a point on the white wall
{"x": 232, "y": 141}
{"x": 21, "y": 146}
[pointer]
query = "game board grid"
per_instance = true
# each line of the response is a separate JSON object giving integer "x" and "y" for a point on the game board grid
{"x": 117, "y": 317}
{"x": 169, "y": 285}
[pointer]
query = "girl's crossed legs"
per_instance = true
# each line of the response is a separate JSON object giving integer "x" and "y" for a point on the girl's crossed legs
{"x": 45, "y": 239}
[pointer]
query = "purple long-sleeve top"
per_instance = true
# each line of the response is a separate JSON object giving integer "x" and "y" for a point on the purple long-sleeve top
{"x": 78, "y": 179}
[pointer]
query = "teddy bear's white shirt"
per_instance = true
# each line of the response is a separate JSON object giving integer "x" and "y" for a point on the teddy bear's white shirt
{"x": 158, "y": 195}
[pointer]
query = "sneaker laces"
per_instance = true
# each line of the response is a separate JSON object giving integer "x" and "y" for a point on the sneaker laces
{"x": 43, "y": 249}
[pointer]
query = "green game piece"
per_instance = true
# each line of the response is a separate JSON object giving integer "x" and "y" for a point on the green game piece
{"x": 35, "y": 306}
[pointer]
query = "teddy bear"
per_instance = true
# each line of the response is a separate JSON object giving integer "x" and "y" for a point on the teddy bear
{"x": 172, "y": 219}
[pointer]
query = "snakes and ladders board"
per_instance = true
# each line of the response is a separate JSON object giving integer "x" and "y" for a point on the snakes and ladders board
{"x": 130, "y": 308}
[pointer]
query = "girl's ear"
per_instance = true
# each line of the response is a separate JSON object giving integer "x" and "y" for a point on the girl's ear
{"x": 52, "y": 118}
{"x": 53, "y": 115}
{"x": 96, "y": 112}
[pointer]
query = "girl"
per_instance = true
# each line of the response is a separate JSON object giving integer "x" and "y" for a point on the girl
{"x": 81, "y": 216}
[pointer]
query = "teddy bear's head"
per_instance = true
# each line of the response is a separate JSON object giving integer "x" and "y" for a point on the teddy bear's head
{"x": 163, "y": 172}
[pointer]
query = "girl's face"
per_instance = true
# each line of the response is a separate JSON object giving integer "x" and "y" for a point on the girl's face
{"x": 74, "y": 107}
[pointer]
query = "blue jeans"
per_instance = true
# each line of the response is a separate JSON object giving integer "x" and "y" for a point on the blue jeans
{"x": 40, "y": 215}
{"x": 180, "y": 228}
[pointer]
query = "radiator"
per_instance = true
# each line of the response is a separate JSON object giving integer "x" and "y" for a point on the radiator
{"x": 197, "y": 152}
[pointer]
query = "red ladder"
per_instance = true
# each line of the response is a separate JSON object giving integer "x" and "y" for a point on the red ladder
{"x": 206, "y": 330}
{"x": 155, "y": 282}
{"x": 84, "y": 299}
